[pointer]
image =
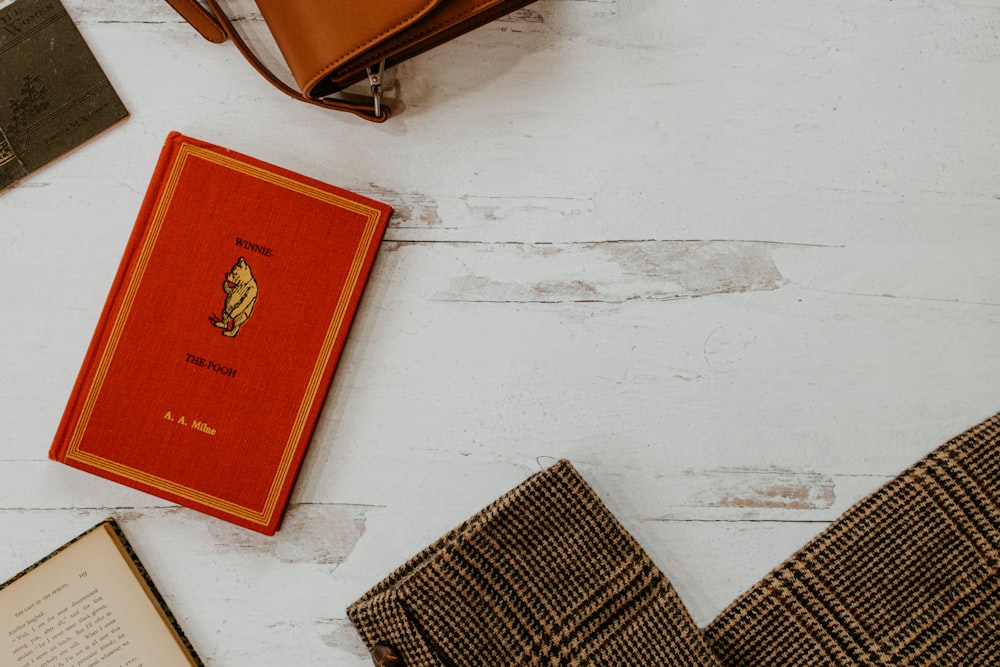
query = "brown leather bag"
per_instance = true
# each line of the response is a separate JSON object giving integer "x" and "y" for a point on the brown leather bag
{"x": 332, "y": 44}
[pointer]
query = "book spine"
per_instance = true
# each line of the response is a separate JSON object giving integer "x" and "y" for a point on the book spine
{"x": 61, "y": 440}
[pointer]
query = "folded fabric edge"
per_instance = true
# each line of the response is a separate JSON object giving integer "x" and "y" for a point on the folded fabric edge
{"x": 831, "y": 596}
{"x": 382, "y": 616}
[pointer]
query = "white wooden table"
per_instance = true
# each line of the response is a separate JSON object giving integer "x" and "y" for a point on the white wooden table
{"x": 735, "y": 260}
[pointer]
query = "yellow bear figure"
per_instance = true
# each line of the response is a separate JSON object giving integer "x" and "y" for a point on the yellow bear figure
{"x": 241, "y": 295}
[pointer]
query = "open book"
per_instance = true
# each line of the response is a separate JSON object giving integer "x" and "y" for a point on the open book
{"x": 90, "y": 603}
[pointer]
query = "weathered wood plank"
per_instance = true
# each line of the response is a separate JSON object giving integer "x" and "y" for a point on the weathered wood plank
{"x": 734, "y": 261}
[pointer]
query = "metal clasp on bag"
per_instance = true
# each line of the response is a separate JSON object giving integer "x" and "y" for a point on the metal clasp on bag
{"x": 375, "y": 81}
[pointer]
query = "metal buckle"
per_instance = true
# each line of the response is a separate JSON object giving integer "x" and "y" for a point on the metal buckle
{"x": 375, "y": 81}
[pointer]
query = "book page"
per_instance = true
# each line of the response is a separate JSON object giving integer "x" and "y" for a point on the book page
{"x": 85, "y": 607}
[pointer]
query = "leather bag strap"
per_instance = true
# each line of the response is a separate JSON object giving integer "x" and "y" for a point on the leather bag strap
{"x": 214, "y": 25}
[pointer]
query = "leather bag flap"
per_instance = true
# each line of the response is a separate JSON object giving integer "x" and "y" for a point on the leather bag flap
{"x": 318, "y": 37}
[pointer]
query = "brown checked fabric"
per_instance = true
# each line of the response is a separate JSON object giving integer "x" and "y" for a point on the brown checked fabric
{"x": 547, "y": 576}
{"x": 909, "y": 576}
{"x": 543, "y": 576}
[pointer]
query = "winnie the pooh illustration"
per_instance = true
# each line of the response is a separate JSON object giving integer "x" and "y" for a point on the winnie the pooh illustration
{"x": 241, "y": 295}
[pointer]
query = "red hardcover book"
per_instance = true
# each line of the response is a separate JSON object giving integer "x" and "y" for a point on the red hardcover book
{"x": 219, "y": 339}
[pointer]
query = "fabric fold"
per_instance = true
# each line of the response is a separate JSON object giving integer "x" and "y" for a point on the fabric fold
{"x": 908, "y": 576}
{"x": 547, "y": 576}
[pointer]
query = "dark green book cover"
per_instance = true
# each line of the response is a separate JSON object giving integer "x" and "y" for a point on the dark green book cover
{"x": 53, "y": 93}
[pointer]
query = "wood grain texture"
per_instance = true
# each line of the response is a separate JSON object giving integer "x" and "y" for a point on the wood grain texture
{"x": 735, "y": 261}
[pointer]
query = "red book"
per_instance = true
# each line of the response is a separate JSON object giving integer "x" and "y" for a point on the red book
{"x": 218, "y": 341}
